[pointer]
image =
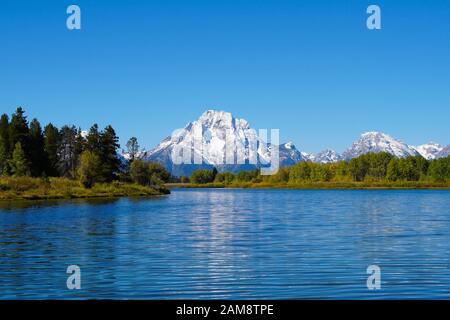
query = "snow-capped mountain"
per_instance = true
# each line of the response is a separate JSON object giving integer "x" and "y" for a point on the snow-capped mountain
{"x": 445, "y": 152}
{"x": 327, "y": 156}
{"x": 289, "y": 155}
{"x": 378, "y": 142}
{"x": 138, "y": 155}
{"x": 430, "y": 150}
{"x": 207, "y": 139}
{"x": 308, "y": 156}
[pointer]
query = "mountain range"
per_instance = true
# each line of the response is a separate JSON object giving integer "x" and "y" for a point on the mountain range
{"x": 218, "y": 129}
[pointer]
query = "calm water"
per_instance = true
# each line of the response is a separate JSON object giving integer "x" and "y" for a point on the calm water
{"x": 236, "y": 244}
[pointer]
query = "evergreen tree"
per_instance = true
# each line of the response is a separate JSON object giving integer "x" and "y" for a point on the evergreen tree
{"x": 4, "y": 144}
{"x": 19, "y": 131}
{"x": 109, "y": 143}
{"x": 93, "y": 140}
{"x": 19, "y": 164}
{"x": 80, "y": 144}
{"x": 38, "y": 156}
{"x": 4, "y": 137}
{"x": 51, "y": 146}
{"x": 67, "y": 161}
{"x": 4, "y": 169}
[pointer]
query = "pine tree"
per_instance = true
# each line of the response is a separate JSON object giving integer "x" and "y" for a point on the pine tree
{"x": 19, "y": 164}
{"x": 19, "y": 131}
{"x": 66, "y": 152}
{"x": 51, "y": 145}
{"x": 4, "y": 144}
{"x": 38, "y": 156}
{"x": 109, "y": 143}
{"x": 93, "y": 140}
{"x": 4, "y": 136}
{"x": 4, "y": 169}
{"x": 80, "y": 145}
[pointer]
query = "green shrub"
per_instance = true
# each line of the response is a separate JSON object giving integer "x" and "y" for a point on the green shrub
{"x": 145, "y": 173}
{"x": 203, "y": 176}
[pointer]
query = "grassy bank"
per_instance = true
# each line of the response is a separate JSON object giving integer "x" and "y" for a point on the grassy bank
{"x": 320, "y": 185}
{"x": 61, "y": 188}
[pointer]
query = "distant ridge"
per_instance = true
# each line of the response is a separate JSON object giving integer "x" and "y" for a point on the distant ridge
{"x": 215, "y": 124}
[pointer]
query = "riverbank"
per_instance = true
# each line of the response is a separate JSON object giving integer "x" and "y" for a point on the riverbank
{"x": 406, "y": 185}
{"x": 25, "y": 188}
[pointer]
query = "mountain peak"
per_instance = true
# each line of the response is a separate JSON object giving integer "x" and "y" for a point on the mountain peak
{"x": 429, "y": 150}
{"x": 221, "y": 119}
{"x": 212, "y": 113}
{"x": 374, "y": 141}
{"x": 445, "y": 152}
{"x": 289, "y": 145}
{"x": 327, "y": 156}
{"x": 218, "y": 128}
{"x": 375, "y": 134}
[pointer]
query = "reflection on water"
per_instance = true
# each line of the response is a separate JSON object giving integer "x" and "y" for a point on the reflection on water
{"x": 230, "y": 244}
{"x": 15, "y": 205}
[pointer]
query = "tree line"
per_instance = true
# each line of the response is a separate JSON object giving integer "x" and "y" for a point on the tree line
{"x": 371, "y": 167}
{"x": 27, "y": 149}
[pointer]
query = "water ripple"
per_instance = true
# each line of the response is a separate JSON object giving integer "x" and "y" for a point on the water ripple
{"x": 230, "y": 244}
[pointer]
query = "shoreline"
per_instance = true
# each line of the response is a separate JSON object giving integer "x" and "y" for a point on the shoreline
{"x": 318, "y": 186}
{"x": 25, "y": 188}
{"x": 75, "y": 197}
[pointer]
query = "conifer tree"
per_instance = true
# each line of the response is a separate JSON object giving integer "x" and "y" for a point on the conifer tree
{"x": 80, "y": 145}
{"x": 19, "y": 131}
{"x": 4, "y": 144}
{"x": 109, "y": 143}
{"x": 37, "y": 154}
{"x": 66, "y": 152}
{"x": 51, "y": 146}
{"x": 4, "y": 136}
{"x": 3, "y": 158}
{"x": 93, "y": 140}
{"x": 19, "y": 164}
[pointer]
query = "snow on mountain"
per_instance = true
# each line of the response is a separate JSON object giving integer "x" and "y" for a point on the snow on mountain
{"x": 289, "y": 155}
{"x": 378, "y": 142}
{"x": 207, "y": 139}
{"x": 327, "y": 156}
{"x": 123, "y": 160}
{"x": 307, "y": 156}
{"x": 138, "y": 155}
{"x": 430, "y": 150}
{"x": 445, "y": 152}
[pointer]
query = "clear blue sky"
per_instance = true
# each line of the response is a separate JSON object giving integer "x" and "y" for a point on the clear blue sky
{"x": 310, "y": 68}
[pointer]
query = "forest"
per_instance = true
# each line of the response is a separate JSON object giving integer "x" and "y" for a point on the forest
{"x": 37, "y": 157}
{"x": 372, "y": 169}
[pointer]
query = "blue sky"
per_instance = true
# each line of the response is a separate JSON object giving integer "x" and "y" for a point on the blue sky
{"x": 310, "y": 68}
